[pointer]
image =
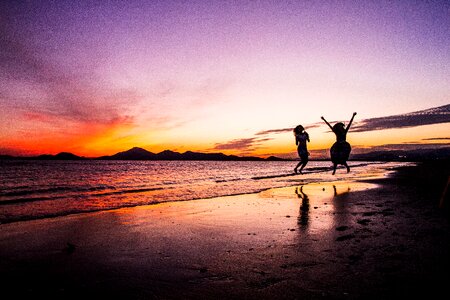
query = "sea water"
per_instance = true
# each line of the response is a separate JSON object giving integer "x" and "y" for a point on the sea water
{"x": 31, "y": 189}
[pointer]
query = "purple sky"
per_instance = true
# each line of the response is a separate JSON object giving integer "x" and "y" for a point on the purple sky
{"x": 199, "y": 74}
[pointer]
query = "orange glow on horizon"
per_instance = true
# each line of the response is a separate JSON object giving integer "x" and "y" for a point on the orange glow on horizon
{"x": 92, "y": 140}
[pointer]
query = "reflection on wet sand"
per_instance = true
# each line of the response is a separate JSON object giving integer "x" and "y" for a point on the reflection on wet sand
{"x": 303, "y": 216}
{"x": 342, "y": 192}
{"x": 342, "y": 220}
{"x": 325, "y": 207}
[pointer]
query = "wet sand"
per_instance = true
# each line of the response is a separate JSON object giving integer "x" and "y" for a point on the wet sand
{"x": 379, "y": 239}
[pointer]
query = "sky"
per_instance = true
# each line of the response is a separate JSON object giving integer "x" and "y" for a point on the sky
{"x": 97, "y": 77}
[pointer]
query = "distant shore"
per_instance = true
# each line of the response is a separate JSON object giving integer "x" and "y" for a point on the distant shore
{"x": 136, "y": 153}
{"x": 370, "y": 239}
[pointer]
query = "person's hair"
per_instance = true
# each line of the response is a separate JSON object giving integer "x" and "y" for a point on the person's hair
{"x": 338, "y": 127}
{"x": 298, "y": 129}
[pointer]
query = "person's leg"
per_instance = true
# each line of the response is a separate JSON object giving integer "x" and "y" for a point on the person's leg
{"x": 304, "y": 162}
{"x": 334, "y": 168}
{"x": 301, "y": 168}
{"x": 348, "y": 168}
{"x": 298, "y": 165}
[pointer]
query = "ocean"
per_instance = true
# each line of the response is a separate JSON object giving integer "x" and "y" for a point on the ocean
{"x": 32, "y": 189}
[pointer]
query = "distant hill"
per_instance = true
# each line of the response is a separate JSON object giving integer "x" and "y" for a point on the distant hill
{"x": 274, "y": 158}
{"x": 404, "y": 155}
{"x": 137, "y": 153}
{"x": 189, "y": 155}
{"x": 59, "y": 156}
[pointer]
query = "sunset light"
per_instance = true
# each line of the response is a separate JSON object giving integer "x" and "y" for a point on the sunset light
{"x": 97, "y": 78}
{"x": 225, "y": 149}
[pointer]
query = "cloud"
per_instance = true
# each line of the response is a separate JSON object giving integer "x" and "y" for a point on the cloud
{"x": 437, "y": 139}
{"x": 430, "y": 116}
{"x": 434, "y": 115}
{"x": 270, "y": 131}
{"x": 247, "y": 144}
{"x": 285, "y": 130}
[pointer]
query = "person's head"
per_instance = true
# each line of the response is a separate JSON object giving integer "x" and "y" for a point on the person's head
{"x": 298, "y": 129}
{"x": 339, "y": 127}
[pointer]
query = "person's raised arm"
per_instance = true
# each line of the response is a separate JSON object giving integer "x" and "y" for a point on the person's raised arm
{"x": 350, "y": 123}
{"x": 327, "y": 123}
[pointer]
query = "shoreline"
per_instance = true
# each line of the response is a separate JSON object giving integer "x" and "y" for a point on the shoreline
{"x": 11, "y": 214}
{"x": 380, "y": 238}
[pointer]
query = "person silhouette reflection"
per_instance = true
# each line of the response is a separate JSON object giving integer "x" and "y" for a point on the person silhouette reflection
{"x": 303, "y": 218}
{"x": 340, "y": 151}
{"x": 301, "y": 137}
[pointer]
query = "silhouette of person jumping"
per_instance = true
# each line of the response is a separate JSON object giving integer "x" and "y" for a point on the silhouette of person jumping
{"x": 340, "y": 151}
{"x": 301, "y": 137}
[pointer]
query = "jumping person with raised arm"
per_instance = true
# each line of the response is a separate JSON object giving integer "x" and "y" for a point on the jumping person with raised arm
{"x": 340, "y": 151}
{"x": 301, "y": 137}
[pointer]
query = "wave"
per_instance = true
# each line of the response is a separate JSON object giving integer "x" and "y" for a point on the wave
{"x": 54, "y": 190}
{"x": 62, "y": 197}
{"x": 63, "y": 213}
{"x": 228, "y": 180}
{"x": 111, "y": 190}
{"x": 130, "y": 191}
{"x": 310, "y": 171}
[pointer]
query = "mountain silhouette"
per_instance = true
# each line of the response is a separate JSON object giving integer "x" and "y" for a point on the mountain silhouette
{"x": 169, "y": 155}
{"x": 189, "y": 155}
{"x": 134, "y": 153}
{"x": 59, "y": 156}
{"x": 137, "y": 153}
{"x": 404, "y": 155}
{"x": 274, "y": 158}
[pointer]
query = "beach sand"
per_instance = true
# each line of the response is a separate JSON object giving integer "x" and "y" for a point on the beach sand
{"x": 381, "y": 238}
